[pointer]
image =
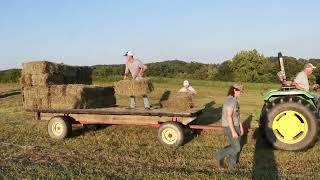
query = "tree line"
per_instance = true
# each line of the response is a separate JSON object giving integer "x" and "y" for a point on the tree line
{"x": 245, "y": 66}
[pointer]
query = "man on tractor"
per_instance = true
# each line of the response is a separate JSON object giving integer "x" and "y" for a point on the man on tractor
{"x": 290, "y": 115}
{"x": 301, "y": 81}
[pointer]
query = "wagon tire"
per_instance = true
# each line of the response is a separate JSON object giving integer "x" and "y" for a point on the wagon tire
{"x": 59, "y": 127}
{"x": 171, "y": 134}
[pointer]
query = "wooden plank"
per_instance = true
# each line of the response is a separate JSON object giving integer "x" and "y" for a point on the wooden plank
{"x": 122, "y": 111}
{"x": 120, "y": 119}
{"x": 207, "y": 127}
{"x": 215, "y": 127}
{"x": 10, "y": 93}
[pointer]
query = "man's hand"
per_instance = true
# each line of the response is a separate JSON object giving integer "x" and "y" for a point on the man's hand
{"x": 241, "y": 131}
{"x": 234, "y": 135}
{"x": 315, "y": 86}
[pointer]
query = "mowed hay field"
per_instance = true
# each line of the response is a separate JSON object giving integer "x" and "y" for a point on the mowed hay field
{"x": 133, "y": 152}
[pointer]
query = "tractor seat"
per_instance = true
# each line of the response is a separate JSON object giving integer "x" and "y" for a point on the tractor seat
{"x": 287, "y": 85}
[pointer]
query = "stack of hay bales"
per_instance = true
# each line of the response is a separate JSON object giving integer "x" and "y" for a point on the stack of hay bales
{"x": 48, "y": 85}
{"x": 44, "y": 73}
{"x": 178, "y": 102}
{"x": 138, "y": 87}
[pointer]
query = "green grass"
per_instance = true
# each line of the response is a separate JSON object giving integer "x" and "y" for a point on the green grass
{"x": 133, "y": 152}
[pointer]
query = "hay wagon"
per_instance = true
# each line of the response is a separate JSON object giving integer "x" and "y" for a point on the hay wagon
{"x": 172, "y": 126}
{"x": 65, "y": 96}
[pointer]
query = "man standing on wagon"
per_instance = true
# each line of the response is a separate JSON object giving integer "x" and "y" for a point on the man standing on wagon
{"x": 137, "y": 69}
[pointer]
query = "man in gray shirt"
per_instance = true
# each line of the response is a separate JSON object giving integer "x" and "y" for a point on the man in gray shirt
{"x": 232, "y": 127}
{"x": 301, "y": 81}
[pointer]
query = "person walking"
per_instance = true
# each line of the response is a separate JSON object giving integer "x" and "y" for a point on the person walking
{"x": 232, "y": 126}
{"x": 137, "y": 69}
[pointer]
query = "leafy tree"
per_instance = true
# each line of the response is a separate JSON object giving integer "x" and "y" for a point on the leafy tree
{"x": 225, "y": 72}
{"x": 249, "y": 66}
{"x": 10, "y": 76}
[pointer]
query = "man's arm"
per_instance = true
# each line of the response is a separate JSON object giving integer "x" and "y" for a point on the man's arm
{"x": 241, "y": 129}
{"x": 182, "y": 90}
{"x": 315, "y": 86}
{"x": 229, "y": 113}
{"x": 126, "y": 72}
{"x": 143, "y": 68}
{"x": 192, "y": 90}
{"x": 297, "y": 85}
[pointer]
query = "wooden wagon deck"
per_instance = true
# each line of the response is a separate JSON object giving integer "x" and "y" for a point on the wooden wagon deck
{"x": 124, "y": 111}
{"x": 120, "y": 115}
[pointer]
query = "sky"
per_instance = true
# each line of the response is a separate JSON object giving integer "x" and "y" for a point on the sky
{"x": 82, "y": 32}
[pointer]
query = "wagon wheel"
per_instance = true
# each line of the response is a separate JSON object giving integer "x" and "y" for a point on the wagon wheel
{"x": 59, "y": 127}
{"x": 171, "y": 134}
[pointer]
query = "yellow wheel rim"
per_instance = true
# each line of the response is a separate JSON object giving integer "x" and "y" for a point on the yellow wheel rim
{"x": 57, "y": 128}
{"x": 290, "y": 127}
{"x": 169, "y": 136}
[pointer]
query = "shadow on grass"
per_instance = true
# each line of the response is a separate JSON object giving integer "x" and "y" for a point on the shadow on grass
{"x": 264, "y": 166}
{"x": 87, "y": 128}
{"x": 244, "y": 138}
{"x": 209, "y": 115}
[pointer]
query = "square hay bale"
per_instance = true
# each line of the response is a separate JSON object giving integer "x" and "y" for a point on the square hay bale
{"x": 99, "y": 97}
{"x": 39, "y": 67}
{"x": 29, "y": 80}
{"x": 44, "y": 73}
{"x": 178, "y": 101}
{"x": 26, "y": 79}
{"x": 74, "y": 96}
{"x": 134, "y": 87}
{"x": 36, "y": 98}
{"x": 65, "y": 97}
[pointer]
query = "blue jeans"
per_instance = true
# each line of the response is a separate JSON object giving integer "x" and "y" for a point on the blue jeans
{"x": 145, "y": 102}
{"x": 232, "y": 150}
{"x": 315, "y": 97}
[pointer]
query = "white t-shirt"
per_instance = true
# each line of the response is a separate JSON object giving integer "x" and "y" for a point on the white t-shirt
{"x": 188, "y": 89}
{"x": 302, "y": 81}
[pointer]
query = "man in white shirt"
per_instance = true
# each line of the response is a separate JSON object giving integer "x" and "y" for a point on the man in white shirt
{"x": 301, "y": 81}
{"x": 187, "y": 88}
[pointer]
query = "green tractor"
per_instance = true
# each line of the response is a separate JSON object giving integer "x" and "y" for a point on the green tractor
{"x": 289, "y": 117}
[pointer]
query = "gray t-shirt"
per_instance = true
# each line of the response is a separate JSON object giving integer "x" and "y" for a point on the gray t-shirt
{"x": 302, "y": 80}
{"x": 231, "y": 103}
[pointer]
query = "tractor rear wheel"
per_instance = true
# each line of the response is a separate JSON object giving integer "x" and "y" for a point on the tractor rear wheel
{"x": 290, "y": 123}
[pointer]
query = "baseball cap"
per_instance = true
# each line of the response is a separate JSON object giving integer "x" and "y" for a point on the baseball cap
{"x": 186, "y": 83}
{"x": 238, "y": 86}
{"x": 128, "y": 53}
{"x": 309, "y": 65}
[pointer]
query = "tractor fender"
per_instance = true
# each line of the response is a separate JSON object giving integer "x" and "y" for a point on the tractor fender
{"x": 296, "y": 92}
